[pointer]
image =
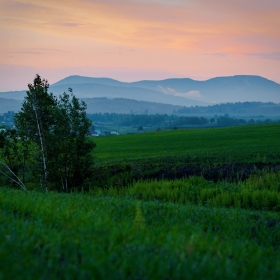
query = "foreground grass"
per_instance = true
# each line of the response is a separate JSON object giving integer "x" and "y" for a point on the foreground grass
{"x": 240, "y": 144}
{"x": 81, "y": 236}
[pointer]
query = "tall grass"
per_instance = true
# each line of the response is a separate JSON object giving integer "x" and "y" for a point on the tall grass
{"x": 81, "y": 236}
{"x": 260, "y": 192}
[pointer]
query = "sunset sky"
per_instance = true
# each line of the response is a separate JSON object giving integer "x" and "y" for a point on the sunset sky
{"x": 131, "y": 40}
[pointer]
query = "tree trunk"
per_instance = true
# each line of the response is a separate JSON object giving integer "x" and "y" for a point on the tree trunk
{"x": 41, "y": 144}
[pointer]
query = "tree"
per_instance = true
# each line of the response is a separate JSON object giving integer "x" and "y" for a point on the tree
{"x": 59, "y": 127}
{"x": 35, "y": 120}
{"x": 71, "y": 153}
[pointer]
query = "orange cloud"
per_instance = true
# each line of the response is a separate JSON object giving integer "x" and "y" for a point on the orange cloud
{"x": 143, "y": 25}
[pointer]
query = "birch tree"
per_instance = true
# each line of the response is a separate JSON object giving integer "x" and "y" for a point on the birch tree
{"x": 60, "y": 129}
{"x": 35, "y": 119}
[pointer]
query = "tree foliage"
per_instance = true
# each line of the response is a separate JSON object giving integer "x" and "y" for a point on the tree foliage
{"x": 14, "y": 154}
{"x": 59, "y": 128}
{"x": 70, "y": 155}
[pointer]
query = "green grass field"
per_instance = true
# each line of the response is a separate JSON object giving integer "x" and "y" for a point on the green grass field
{"x": 241, "y": 143}
{"x": 188, "y": 228}
{"x": 86, "y": 236}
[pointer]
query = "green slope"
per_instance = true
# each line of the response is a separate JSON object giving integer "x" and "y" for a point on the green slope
{"x": 238, "y": 143}
{"x": 78, "y": 236}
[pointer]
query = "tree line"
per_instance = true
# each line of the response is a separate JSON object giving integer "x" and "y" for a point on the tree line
{"x": 230, "y": 108}
{"x": 164, "y": 120}
{"x": 146, "y": 120}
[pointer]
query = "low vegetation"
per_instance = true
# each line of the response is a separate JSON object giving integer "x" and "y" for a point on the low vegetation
{"x": 258, "y": 192}
{"x": 85, "y": 236}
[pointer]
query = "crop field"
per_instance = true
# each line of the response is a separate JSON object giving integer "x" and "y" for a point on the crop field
{"x": 242, "y": 144}
{"x": 183, "y": 204}
{"x": 231, "y": 154}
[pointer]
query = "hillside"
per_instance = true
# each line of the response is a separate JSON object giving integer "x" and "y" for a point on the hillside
{"x": 230, "y": 154}
{"x": 90, "y": 90}
{"x": 128, "y": 106}
{"x": 240, "y": 88}
{"x": 9, "y": 105}
{"x": 131, "y": 106}
{"x": 234, "y": 109}
{"x": 237, "y": 143}
{"x": 104, "y": 235}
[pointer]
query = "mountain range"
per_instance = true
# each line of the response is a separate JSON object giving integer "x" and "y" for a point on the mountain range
{"x": 184, "y": 92}
{"x": 180, "y": 92}
{"x": 9, "y": 105}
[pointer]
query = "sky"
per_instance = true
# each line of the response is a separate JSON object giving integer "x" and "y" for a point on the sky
{"x": 132, "y": 40}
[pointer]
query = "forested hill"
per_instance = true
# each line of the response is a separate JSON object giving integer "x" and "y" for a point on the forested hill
{"x": 9, "y": 105}
{"x": 130, "y": 106}
{"x": 239, "y": 108}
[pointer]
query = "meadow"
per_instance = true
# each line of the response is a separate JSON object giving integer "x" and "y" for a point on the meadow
{"x": 86, "y": 236}
{"x": 241, "y": 143}
{"x": 230, "y": 154}
{"x": 140, "y": 224}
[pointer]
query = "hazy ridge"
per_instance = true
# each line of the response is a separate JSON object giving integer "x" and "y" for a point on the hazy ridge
{"x": 184, "y": 91}
{"x": 162, "y": 96}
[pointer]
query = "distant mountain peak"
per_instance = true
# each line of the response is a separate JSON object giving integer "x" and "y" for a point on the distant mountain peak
{"x": 76, "y": 79}
{"x": 175, "y": 91}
